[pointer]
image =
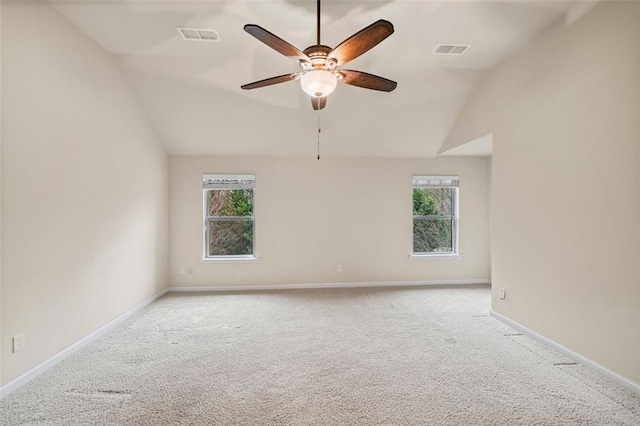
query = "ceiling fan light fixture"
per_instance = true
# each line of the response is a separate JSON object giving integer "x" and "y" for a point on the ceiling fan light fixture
{"x": 319, "y": 83}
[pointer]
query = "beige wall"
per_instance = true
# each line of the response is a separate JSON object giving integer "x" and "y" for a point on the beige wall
{"x": 638, "y": 175}
{"x": 84, "y": 189}
{"x": 565, "y": 214}
{"x": 313, "y": 215}
{"x": 1, "y": 194}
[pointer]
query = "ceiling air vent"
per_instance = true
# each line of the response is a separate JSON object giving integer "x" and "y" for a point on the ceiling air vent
{"x": 451, "y": 49}
{"x": 198, "y": 34}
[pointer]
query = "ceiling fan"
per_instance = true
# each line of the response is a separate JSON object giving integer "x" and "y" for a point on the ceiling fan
{"x": 321, "y": 65}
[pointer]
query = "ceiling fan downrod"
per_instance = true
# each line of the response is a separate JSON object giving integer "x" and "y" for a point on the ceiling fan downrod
{"x": 318, "y": 22}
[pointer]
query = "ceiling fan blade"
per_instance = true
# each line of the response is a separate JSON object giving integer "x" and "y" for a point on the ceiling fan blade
{"x": 318, "y": 103}
{"x": 361, "y": 41}
{"x": 271, "y": 81}
{"x": 368, "y": 81}
{"x": 276, "y": 43}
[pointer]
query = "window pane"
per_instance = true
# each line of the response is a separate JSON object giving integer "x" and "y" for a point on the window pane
{"x": 432, "y": 236}
{"x": 230, "y": 238}
{"x": 433, "y": 201}
{"x": 230, "y": 202}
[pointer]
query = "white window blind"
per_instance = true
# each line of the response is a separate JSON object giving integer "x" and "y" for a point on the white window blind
{"x": 435, "y": 181}
{"x": 228, "y": 181}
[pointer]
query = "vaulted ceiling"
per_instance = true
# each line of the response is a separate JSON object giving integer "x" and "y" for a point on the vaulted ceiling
{"x": 191, "y": 92}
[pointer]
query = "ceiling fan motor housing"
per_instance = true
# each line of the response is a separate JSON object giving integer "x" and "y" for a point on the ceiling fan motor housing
{"x": 318, "y": 55}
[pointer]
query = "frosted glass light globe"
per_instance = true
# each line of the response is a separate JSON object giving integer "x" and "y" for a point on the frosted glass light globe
{"x": 318, "y": 83}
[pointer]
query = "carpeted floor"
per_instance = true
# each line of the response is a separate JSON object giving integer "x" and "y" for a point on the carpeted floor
{"x": 402, "y": 356}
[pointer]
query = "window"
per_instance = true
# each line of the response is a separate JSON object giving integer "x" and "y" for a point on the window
{"x": 435, "y": 215}
{"x": 228, "y": 216}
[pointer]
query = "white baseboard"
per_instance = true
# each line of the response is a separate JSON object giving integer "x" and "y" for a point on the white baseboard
{"x": 618, "y": 378}
{"x": 44, "y": 366}
{"x": 326, "y": 285}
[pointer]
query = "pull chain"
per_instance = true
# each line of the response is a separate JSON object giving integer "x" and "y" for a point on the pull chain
{"x": 319, "y": 135}
{"x": 318, "y": 39}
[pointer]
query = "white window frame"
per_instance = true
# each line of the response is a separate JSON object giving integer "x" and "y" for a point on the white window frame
{"x": 438, "y": 182}
{"x": 217, "y": 182}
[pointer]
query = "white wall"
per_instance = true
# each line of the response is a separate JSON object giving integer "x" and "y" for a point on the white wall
{"x": 0, "y": 193}
{"x": 638, "y": 176}
{"x": 565, "y": 216}
{"x": 313, "y": 215}
{"x": 84, "y": 189}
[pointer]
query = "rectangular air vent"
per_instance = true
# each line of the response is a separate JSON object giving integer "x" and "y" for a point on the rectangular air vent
{"x": 198, "y": 34}
{"x": 451, "y": 49}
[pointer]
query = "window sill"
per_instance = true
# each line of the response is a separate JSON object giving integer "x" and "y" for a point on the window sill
{"x": 434, "y": 255}
{"x": 222, "y": 259}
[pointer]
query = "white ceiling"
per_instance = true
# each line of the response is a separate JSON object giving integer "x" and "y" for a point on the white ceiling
{"x": 191, "y": 90}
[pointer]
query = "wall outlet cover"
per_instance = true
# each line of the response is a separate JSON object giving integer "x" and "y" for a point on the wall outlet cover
{"x": 19, "y": 342}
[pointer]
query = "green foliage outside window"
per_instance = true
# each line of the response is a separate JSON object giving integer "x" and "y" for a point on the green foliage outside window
{"x": 433, "y": 234}
{"x": 424, "y": 202}
{"x": 230, "y": 237}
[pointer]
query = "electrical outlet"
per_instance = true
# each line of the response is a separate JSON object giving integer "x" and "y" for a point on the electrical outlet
{"x": 339, "y": 268}
{"x": 502, "y": 293}
{"x": 190, "y": 270}
{"x": 19, "y": 342}
{"x": 183, "y": 270}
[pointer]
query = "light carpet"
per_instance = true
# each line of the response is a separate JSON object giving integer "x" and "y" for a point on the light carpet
{"x": 402, "y": 356}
